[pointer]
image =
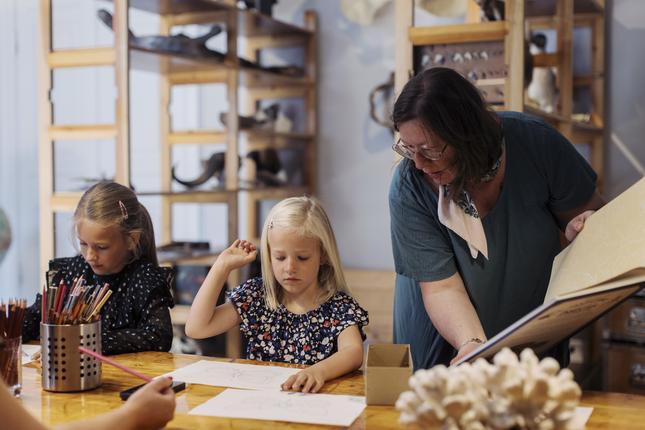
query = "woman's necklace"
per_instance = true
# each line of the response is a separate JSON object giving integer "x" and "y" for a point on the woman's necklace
{"x": 465, "y": 200}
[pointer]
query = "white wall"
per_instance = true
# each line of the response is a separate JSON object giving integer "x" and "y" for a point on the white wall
{"x": 626, "y": 93}
{"x": 18, "y": 144}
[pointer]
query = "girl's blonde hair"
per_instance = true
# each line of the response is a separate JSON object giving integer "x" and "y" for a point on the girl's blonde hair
{"x": 111, "y": 204}
{"x": 306, "y": 217}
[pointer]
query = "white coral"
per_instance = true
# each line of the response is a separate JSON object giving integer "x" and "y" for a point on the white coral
{"x": 510, "y": 393}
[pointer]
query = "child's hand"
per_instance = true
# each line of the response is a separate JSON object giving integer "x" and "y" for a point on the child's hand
{"x": 153, "y": 405}
{"x": 308, "y": 380}
{"x": 239, "y": 254}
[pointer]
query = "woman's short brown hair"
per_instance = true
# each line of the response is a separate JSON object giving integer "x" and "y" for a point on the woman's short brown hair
{"x": 452, "y": 108}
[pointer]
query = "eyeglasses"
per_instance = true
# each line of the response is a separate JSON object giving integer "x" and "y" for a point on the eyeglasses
{"x": 408, "y": 152}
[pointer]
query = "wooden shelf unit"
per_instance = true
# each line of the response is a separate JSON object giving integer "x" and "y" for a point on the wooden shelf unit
{"x": 563, "y": 16}
{"x": 52, "y": 202}
{"x": 510, "y": 32}
{"x": 259, "y": 32}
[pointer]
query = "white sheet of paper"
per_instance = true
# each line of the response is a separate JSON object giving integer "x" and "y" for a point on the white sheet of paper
{"x": 579, "y": 420}
{"x": 234, "y": 375}
{"x": 28, "y": 351}
{"x": 328, "y": 409}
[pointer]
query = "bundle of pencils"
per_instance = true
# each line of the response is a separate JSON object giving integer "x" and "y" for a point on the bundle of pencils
{"x": 76, "y": 304}
{"x": 11, "y": 316}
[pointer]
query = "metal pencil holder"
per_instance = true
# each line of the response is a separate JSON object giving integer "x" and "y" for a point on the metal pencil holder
{"x": 64, "y": 367}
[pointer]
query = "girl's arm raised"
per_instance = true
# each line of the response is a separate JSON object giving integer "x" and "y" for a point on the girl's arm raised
{"x": 349, "y": 357}
{"x": 204, "y": 319}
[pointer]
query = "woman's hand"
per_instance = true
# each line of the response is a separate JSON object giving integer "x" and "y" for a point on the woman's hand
{"x": 308, "y": 380}
{"x": 239, "y": 254}
{"x": 465, "y": 349}
{"x": 576, "y": 224}
{"x": 153, "y": 405}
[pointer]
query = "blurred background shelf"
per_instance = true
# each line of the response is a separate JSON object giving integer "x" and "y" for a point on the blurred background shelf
{"x": 249, "y": 37}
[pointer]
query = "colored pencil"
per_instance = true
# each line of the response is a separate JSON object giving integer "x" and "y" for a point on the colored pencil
{"x": 114, "y": 363}
{"x": 75, "y": 303}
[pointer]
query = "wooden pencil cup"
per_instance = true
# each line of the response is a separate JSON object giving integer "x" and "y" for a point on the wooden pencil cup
{"x": 64, "y": 367}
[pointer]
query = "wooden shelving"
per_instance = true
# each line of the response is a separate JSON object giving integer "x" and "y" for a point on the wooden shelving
{"x": 562, "y": 16}
{"x": 458, "y": 33}
{"x": 506, "y": 32}
{"x": 258, "y": 33}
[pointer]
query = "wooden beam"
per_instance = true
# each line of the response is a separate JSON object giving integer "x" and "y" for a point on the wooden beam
{"x": 403, "y": 21}
{"x": 64, "y": 202}
{"x": 191, "y": 77}
{"x": 233, "y": 341}
{"x": 165, "y": 97}
{"x": 90, "y": 57}
{"x": 598, "y": 67}
{"x": 187, "y": 18}
{"x": 197, "y": 197}
{"x": 546, "y": 60}
{"x": 459, "y": 33}
{"x": 232, "y": 122}
{"x": 122, "y": 76}
{"x": 45, "y": 146}
{"x": 278, "y": 92}
{"x": 263, "y": 42}
{"x": 542, "y": 23}
{"x": 82, "y": 132}
{"x": 276, "y": 193}
{"x": 473, "y": 12}
{"x": 203, "y": 137}
{"x": 248, "y": 105}
{"x": 514, "y": 53}
{"x": 564, "y": 12}
{"x": 311, "y": 103}
{"x": 552, "y": 23}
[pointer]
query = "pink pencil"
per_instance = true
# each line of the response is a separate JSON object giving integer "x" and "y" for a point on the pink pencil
{"x": 114, "y": 363}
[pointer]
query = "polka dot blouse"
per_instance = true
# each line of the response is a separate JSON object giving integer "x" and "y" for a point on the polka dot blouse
{"x": 135, "y": 317}
{"x": 279, "y": 335}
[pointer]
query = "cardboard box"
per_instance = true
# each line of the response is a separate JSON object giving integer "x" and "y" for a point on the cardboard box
{"x": 387, "y": 371}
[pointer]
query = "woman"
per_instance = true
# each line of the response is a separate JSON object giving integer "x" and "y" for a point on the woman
{"x": 476, "y": 207}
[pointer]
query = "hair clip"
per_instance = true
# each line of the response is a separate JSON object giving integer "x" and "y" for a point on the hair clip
{"x": 124, "y": 211}
{"x": 270, "y": 224}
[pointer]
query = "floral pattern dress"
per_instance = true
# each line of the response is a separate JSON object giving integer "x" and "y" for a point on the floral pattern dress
{"x": 280, "y": 335}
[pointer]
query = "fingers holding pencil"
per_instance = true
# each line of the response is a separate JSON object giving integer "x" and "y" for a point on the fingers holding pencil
{"x": 153, "y": 405}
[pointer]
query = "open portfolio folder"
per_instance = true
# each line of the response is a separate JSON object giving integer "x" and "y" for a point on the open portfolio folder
{"x": 603, "y": 266}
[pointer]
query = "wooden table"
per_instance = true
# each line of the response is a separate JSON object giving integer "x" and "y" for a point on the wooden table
{"x": 611, "y": 410}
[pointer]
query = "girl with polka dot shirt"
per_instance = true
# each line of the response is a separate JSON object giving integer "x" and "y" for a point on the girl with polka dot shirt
{"x": 117, "y": 247}
{"x": 300, "y": 311}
